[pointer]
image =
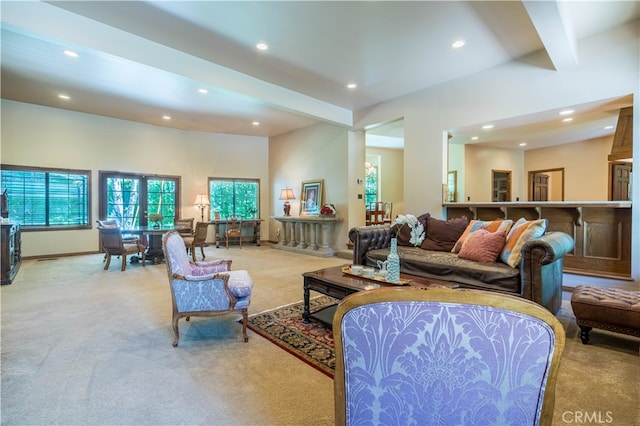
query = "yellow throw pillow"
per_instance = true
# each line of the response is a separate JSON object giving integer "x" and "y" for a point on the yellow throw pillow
{"x": 521, "y": 232}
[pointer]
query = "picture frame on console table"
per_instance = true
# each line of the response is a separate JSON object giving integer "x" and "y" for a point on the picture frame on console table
{"x": 311, "y": 197}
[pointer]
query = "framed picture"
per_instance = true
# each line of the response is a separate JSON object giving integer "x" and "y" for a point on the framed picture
{"x": 311, "y": 197}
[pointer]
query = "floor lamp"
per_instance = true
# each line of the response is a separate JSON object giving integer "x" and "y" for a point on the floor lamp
{"x": 201, "y": 201}
{"x": 287, "y": 194}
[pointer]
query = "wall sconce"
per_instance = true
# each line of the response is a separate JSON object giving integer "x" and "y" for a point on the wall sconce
{"x": 287, "y": 194}
{"x": 201, "y": 201}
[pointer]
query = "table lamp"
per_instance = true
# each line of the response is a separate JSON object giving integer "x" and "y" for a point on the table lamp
{"x": 201, "y": 201}
{"x": 287, "y": 194}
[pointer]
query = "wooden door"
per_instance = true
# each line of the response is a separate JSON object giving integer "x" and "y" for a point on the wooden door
{"x": 620, "y": 180}
{"x": 540, "y": 187}
{"x": 501, "y": 185}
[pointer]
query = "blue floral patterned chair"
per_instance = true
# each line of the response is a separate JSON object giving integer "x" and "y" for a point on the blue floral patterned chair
{"x": 204, "y": 289}
{"x": 444, "y": 356}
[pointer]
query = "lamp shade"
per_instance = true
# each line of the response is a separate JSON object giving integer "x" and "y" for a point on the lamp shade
{"x": 287, "y": 194}
{"x": 201, "y": 200}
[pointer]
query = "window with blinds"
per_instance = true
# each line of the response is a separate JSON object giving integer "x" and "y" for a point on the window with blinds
{"x": 39, "y": 197}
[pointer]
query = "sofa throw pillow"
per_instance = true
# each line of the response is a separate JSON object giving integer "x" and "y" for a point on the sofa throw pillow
{"x": 441, "y": 235}
{"x": 521, "y": 232}
{"x": 498, "y": 225}
{"x": 405, "y": 232}
{"x": 483, "y": 246}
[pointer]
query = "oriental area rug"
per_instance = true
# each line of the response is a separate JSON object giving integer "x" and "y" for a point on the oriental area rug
{"x": 312, "y": 343}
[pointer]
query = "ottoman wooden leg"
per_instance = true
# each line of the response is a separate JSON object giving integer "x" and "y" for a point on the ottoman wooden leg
{"x": 584, "y": 333}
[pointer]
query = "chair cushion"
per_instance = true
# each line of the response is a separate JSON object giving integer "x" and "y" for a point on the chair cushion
{"x": 240, "y": 283}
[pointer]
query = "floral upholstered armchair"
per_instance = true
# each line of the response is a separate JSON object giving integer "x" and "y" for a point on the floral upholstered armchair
{"x": 204, "y": 288}
{"x": 444, "y": 356}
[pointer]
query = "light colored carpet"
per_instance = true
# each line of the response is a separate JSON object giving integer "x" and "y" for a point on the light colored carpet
{"x": 83, "y": 346}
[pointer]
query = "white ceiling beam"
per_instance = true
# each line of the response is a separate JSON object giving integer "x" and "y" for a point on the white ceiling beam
{"x": 554, "y": 31}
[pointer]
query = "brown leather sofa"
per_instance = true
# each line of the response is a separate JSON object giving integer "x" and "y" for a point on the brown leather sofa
{"x": 538, "y": 277}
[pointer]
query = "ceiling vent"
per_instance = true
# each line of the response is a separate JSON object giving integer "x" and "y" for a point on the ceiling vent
{"x": 622, "y": 148}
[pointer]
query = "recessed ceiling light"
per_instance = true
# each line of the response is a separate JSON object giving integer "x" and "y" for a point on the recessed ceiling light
{"x": 262, "y": 46}
{"x": 352, "y": 86}
{"x": 255, "y": 123}
{"x": 458, "y": 44}
{"x": 567, "y": 112}
{"x": 63, "y": 96}
{"x": 474, "y": 138}
{"x": 203, "y": 91}
{"x": 609, "y": 127}
{"x": 487, "y": 126}
{"x": 568, "y": 119}
{"x": 166, "y": 117}
{"x": 522, "y": 144}
{"x": 71, "y": 53}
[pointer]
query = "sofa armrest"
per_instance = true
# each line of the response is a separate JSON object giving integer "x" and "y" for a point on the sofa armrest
{"x": 367, "y": 238}
{"x": 548, "y": 248}
{"x": 541, "y": 269}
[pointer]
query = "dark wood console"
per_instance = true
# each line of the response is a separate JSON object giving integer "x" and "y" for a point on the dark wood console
{"x": 10, "y": 256}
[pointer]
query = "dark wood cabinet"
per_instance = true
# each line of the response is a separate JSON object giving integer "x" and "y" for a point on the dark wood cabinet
{"x": 10, "y": 255}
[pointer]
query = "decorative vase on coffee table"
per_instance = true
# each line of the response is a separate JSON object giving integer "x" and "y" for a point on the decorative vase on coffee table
{"x": 393, "y": 262}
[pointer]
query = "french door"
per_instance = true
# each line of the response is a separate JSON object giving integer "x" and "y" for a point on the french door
{"x": 130, "y": 198}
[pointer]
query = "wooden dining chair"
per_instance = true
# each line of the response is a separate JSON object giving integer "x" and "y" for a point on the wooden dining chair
{"x": 375, "y": 213}
{"x": 234, "y": 231}
{"x": 197, "y": 239}
{"x": 187, "y": 223}
{"x": 113, "y": 245}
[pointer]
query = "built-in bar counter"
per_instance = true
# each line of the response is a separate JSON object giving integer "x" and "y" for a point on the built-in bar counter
{"x": 601, "y": 230}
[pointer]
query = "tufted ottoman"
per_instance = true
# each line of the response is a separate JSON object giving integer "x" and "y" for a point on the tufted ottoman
{"x": 606, "y": 308}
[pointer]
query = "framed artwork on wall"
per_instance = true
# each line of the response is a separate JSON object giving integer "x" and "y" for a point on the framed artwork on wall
{"x": 311, "y": 197}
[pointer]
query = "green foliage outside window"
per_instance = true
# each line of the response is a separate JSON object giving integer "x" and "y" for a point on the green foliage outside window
{"x": 124, "y": 199}
{"x": 371, "y": 185}
{"x": 235, "y": 197}
{"x": 40, "y": 197}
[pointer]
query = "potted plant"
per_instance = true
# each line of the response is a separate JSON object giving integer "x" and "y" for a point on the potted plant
{"x": 156, "y": 218}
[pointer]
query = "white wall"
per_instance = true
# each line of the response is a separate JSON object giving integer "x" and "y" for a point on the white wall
{"x": 479, "y": 163}
{"x": 315, "y": 152}
{"x": 49, "y": 137}
{"x": 585, "y": 175}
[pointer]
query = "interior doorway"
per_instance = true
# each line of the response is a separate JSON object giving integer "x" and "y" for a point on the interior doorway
{"x": 546, "y": 185}
{"x": 620, "y": 177}
{"x": 501, "y": 185}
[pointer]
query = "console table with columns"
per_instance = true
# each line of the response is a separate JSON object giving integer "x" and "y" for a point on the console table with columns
{"x": 306, "y": 234}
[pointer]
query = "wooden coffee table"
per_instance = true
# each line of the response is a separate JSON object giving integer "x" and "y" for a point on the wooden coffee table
{"x": 335, "y": 283}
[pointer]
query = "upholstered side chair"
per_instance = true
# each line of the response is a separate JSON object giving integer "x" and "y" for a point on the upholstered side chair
{"x": 113, "y": 245}
{"x": 197, "y": 239}
{"x": 204, "y": 289}
{"x": 444, "y": 356}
